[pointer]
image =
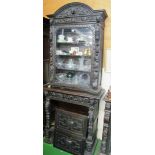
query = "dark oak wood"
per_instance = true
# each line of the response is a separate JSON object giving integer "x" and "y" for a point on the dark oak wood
{"x": 78, "y": 106}
{"x": 106, "y": 136}
{"x": 71, "y": 111}
{"x": 46, "y": 50}
{"x": 47, "y": 87}
{"x": 46, "y": 45}
{"x": 79, "y": 15}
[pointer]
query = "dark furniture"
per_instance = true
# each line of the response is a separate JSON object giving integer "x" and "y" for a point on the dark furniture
{"x": 76, "y": 46}
{"x": 46, "y": 45}
{"x": 76, "y": 118}
{"x": 46, "y": 57}
{"x": 73, "y": 93}
{"x": 106, "y": 137}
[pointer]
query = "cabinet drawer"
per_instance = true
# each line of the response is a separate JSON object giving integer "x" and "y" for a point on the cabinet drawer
{"x": 72, "y": 122}
{"x": 69, "y": 143}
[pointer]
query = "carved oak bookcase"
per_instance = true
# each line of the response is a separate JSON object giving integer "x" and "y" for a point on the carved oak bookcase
{"x": 74, "y": 91}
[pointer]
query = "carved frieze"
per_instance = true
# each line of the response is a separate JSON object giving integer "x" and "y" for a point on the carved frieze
{"x": 75, "y": 20}
{"x": 85, "y": 101}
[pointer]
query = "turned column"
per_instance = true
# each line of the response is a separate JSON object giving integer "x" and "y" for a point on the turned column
{"x": 89, "y": 140}
{"x": 48, "y": 119}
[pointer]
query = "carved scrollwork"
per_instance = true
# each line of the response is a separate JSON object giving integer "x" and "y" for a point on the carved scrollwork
{"x": 97, "y": 27}
{"x": 105, "y": 130}
{"x": 73, "y": 10}
{"x": 96, "y": 63}
{"x": 85, "y": 101}
{"x": 97, "y": 35}
{"x": 89, "y": 140}
{"x": 75, "y": 20}
{"x": 75, "y": 99}
{"x": 48, "y": 115}
{"x": 51, "y": 65}
{"x": 107, "y": 116}
{"x": 77, "y": 12}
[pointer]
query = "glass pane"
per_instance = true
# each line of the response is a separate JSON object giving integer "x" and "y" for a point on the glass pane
{"x": 73, "y": 56}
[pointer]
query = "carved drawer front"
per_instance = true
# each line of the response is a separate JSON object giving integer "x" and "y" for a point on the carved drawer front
{"x": 71, "y": 122}
{"x": 69, "y": 143}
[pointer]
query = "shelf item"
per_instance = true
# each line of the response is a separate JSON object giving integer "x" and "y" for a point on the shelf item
{"x": 75, "y": 51}
{"x": 82, "y": 64}
{"x": 73, "y": 78}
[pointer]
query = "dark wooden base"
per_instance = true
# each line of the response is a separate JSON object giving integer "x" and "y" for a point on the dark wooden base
{"x": 79, "y": 103}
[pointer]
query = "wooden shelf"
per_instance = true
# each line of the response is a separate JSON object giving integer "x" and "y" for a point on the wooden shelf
{"x": 76, "y": 70}
{"x": 73, "y": 55}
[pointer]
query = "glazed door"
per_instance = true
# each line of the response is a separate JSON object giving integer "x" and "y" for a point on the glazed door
{"x": 73, "y": 49}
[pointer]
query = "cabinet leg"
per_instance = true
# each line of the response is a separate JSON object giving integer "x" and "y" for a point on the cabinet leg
{"x": 90, "y": 139}
{"x": 48, "y": 116}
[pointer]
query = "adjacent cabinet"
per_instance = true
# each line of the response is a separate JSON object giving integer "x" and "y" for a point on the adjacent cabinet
{"x": 73, "y": 93}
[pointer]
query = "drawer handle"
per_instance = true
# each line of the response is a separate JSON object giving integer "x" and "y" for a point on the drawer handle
{"x": 71, "y": 122}
{"x": 69, "y": 141}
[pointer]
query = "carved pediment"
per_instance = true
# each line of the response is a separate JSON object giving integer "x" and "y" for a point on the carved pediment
{"x": 77, "y": 13}
{"x": 74, "y": 10}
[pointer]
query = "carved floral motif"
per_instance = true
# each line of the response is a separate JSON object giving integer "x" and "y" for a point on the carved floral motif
{"x": 75, "y": 20}
{"x": 74, "y": 11}
{"x": 72, "y": 99}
